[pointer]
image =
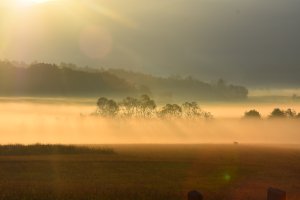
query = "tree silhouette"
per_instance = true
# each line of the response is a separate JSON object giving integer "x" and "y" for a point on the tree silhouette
{"x": 171, "y": 111}
{"x": 129, "y": 106}
{"x": 207, "y": 115}
{"x": 191, "y": 110}
{"x": 290, "y": 113}
{"x": 252, "y": 114}
{"x": 277, "y": 113}
{"x": 147, "y": 106}
{"x": 107, "y": 107}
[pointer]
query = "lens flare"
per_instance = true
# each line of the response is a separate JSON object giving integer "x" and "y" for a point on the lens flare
{"x": 96, "y": 42}
{"x": 227, "y": 177}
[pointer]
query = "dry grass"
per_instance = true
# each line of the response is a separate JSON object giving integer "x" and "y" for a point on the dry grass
{"x": 153, "y": 172}
{"x": 48, "y": 149}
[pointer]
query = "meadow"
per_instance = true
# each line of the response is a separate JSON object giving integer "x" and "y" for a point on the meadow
{"x": 219, "y": 171}
{"x": 224, "y": 158}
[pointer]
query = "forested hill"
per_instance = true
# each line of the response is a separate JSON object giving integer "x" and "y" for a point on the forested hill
{"x": 176, "y": 87}
{"x": 48, "y": 79}
{"x": 42, "y": 79}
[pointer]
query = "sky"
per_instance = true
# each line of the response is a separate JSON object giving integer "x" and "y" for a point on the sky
{"x": 251, "y": 42}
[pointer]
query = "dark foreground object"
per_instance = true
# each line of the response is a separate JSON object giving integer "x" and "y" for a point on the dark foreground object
{"x": 195, "y": 195}
{"x": 273, "y": 194}
{"x": 276, "y": 194}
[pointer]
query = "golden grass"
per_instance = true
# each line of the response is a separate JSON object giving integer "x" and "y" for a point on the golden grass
{"x": 154, "y": 172}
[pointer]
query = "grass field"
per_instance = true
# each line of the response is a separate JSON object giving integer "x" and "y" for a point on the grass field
{"x": 156, "y": 172}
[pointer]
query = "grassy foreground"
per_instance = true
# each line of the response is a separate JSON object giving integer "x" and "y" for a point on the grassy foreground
{"x": 48, "y": 149}
{"x": 154, "y": 172}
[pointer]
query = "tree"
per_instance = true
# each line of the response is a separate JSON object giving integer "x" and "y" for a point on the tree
{"x": 207, "y": 115}
{"x": 170, "y": 111}
{"x": 130, "y": 106}
{"x": 142, "y": 107}
{"x": 252, "y": 114}
{"x": 147, "y": 106}
{"x": 290, "y": 113}
{"x": 191, "y": 110}
{"x": 107, "y": 107}
{"x": 101, "y": 102}
{"x": 278, "y": 113}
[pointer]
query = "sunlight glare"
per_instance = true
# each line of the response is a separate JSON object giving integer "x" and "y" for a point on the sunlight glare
{"x": 30, "y": 2}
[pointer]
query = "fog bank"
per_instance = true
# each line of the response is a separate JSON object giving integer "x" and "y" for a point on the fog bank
{"x": 24, "y": 122}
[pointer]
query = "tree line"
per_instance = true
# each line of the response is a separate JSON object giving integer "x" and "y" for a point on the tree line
{"x": 145, "y": 107}
{"x": 277, "y": 113}
{"x": 182, "y": 87}
{"x": 44, "y": 79}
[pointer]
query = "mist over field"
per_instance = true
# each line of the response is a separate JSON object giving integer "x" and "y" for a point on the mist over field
{"x": 70, "y": 123}
{"x": 149, "y": 100}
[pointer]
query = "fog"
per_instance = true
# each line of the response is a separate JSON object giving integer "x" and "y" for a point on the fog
{"x": 30, "y": 122}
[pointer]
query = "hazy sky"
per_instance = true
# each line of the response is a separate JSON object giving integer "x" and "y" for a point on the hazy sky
{"x": 243, "y": 41}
